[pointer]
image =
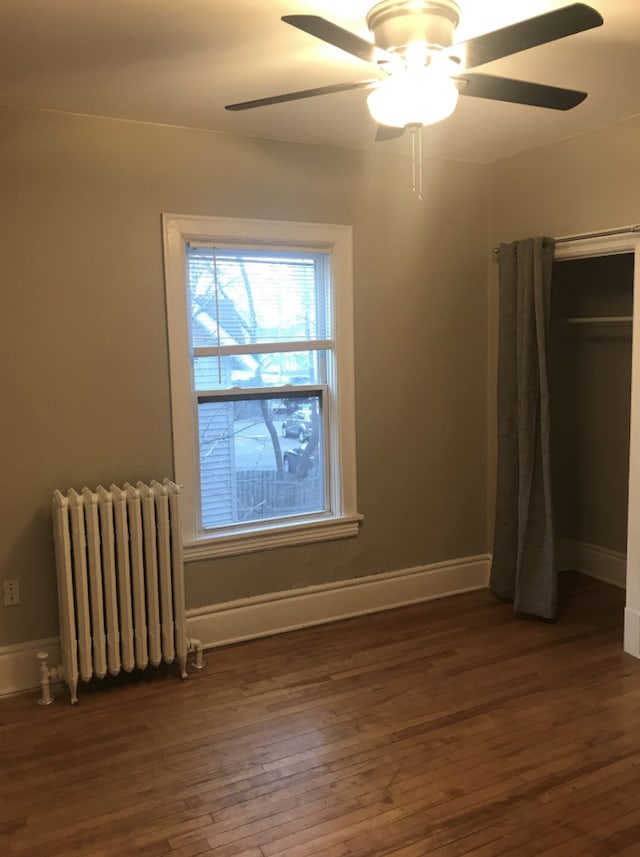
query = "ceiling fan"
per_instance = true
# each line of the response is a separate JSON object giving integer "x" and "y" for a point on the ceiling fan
{"x": 423, "y": 70}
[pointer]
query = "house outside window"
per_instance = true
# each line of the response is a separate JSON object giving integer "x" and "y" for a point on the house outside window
{"x": 260, "y": 325}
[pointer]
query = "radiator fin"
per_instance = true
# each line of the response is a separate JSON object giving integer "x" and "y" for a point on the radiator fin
{"x": 110, "y": 593}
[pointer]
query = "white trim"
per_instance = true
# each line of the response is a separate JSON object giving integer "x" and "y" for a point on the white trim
{"x": 19, "y": 664}
{"x": 606, "y": 245}
{"x": 261, "y": 347}
{"x": 334, "y": 239}
{"x": 277, "y": 612}
{"x": 633, "y": 525}
{"x": 632, "y": 632}
{"x": 602, "y": 245}
{"x": 274, "y": 537}
{"x": 598, "y": 562}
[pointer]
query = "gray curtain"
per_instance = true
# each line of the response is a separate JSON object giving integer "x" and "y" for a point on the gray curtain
{"x": 523, "y": 569}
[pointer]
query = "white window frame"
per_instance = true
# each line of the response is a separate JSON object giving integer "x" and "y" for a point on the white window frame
{"x": 336, "y": 240}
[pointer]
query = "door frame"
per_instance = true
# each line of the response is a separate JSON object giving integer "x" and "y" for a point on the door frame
{"x": 608, "y": 245}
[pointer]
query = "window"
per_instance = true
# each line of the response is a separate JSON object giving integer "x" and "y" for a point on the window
{"x": 261, "y": 353}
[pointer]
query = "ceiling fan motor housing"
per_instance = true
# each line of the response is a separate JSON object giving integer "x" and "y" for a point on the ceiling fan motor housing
{"x": 395, "y": 24}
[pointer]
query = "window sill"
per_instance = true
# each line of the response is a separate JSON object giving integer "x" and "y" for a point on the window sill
{"x": 252, "y": 541}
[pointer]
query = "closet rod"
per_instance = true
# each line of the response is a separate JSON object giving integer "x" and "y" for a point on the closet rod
{"x": 565, "y": 239}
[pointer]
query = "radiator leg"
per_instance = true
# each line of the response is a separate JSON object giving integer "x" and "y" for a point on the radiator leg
{"x": 46, "y": 697}
{"x": 73, "y": 690}
{"x": 196, "y": 646}
{"x": 182, "y": 663}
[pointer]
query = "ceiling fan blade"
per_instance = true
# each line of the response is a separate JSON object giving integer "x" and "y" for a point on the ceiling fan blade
{"x": 519, "y": 91}
{"x": 527, "y": 34}
{"x": 303, "y": 93}
{"x": 338, "y": 37}
{"x": 387, "y": 132}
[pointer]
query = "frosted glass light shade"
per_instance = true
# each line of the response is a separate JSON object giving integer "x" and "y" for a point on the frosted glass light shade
{"x": 419, "y": 96}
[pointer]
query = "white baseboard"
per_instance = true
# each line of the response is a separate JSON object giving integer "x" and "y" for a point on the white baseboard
{"x": 19, "y": 666}
{"x": 246, "y": 619}
{"x": 601, "y": 563}
{"x": 275, "y": 613}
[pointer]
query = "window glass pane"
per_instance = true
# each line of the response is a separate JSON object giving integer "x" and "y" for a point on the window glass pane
{"x": 261, "y": 458}
{"x": 259, "y": 370}
{"x": 258, "y": 296}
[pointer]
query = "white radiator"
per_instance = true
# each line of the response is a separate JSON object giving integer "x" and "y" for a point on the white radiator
{"x": 120, "y": 580}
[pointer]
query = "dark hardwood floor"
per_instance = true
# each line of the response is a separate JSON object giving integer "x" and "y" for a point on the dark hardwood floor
{"x": 443, "y": 729}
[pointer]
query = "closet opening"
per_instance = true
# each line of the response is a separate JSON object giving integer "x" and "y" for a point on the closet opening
{"x": 594, "y": 374}
{"x": 590, "y": 388}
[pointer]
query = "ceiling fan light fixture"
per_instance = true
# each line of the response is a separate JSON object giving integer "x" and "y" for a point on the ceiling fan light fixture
{"x": 421, "y": 96}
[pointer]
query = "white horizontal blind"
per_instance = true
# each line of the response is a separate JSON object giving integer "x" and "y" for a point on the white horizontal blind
{"x": 247, "y": 298}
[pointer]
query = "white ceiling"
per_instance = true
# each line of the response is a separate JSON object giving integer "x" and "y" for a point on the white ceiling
{"x": 178, "y": 62}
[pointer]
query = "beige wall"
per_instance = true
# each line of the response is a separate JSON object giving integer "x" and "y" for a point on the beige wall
{"x": 578, "y": 185}
{"x": 84, "y": 351}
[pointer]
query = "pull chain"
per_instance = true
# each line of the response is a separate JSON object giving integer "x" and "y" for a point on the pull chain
{"x": 416, "y": 153}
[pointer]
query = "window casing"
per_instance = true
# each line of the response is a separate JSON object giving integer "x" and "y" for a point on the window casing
{"x": 260, "y": 322}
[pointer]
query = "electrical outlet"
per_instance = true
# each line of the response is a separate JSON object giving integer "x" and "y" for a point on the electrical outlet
{"x": 11, "y": 590}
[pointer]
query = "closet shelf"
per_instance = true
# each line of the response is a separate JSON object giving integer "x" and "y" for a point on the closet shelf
{"x": 611, "y": 321}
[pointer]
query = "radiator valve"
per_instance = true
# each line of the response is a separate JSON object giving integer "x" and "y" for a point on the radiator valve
{"x": 46, "y": 697}
{"x": 197, "y": 647}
